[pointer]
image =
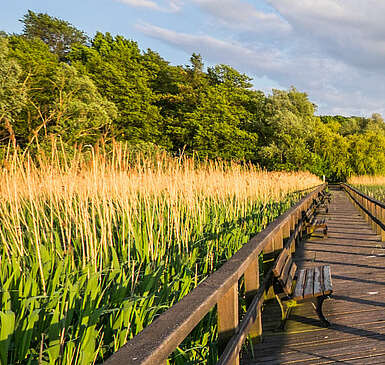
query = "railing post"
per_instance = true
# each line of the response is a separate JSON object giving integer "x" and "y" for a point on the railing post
{"x": 378, "y": 216}
{"x": 303, "y": 209}
{"x": 286, "y": 232}
{"x": 366, "y": 205}
{"x": 251, "y": 277}
{"x": 292, "y": 228}
{"x": 297, "y": 219}
{"x": 382, "y": 218}
{"x": 227, "y": 309}
{"x": 270, "y": 253}
{"x": 279, "y": 240}
{"x": 373, "y": 211}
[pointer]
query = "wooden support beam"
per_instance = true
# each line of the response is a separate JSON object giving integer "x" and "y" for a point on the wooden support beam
{"x": 378, "y": 216}
{"x": 251, "y": 277}
{"x": 227, "y": 308}
{"x": 286, "y": 231}
{"x": 366, "y": 206}
{"x": 292, "y": 229}
{"x": 279, "y": 240}
{"x": 374, "y": 224}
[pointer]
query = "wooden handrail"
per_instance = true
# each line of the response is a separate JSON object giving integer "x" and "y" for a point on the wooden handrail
{"x": 374, "y": 210}
{"x": 367, "y": 197}
{"x": 156, "y": 342}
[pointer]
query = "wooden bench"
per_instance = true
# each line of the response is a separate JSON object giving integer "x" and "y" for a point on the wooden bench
{"x": 311, "y": 284}
{"x": 312, "y": 223}
{"x": 325, "y": 199}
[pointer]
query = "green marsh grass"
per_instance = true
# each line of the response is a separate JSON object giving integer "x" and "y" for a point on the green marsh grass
{"x": 373, "y": 186}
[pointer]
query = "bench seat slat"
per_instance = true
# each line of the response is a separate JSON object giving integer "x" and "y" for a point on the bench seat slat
{"x": 289, "y": 283}
{"x": 308, "y": 291}
{"x": 277, "y": 269}
{"x": 328, "y": 288}
{"x": 299, "y": 287}
{"x": 318, "y": 282}
{"x": 285, "y": 271}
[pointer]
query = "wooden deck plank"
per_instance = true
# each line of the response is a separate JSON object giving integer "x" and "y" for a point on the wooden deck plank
{"x": 356, "y": 257}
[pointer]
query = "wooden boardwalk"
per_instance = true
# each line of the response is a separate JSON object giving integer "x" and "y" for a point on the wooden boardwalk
{"x": 357, "y": 310}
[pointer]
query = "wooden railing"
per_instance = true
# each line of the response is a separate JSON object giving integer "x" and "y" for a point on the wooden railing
{"x": 155, "y": 343}
{"x": 373, "y": 210}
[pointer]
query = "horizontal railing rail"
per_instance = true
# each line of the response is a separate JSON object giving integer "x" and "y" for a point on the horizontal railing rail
{"x": 374, "y": 210}
{"x": 367, "y": 197}
{"x": 155, "y": 343}
{"x": 305, "y": 190}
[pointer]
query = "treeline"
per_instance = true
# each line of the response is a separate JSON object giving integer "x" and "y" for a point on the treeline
{"x": 57, "y": 82}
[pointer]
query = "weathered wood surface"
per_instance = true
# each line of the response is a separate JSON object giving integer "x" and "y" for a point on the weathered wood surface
{"x": 356, "y": 256}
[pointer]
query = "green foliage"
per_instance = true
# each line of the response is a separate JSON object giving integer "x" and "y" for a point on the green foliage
{"x": 12, "y": 92}
{"x": 58, "y": 34}
{"x": 375, "y": 191}
{"x": 117, "y": 68}
{"x": 58, "y": 100}
{"x": 84, "y": 310}
{"x": 111, "y": 89}
{"x": 52, "y": 83}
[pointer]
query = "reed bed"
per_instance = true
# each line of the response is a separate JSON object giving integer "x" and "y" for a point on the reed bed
{"x": 96, "y": 244}
{"x": 367, "y": 180}
{"x": 373, "y": 186}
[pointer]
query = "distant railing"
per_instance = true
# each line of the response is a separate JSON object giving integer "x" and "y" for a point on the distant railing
{"x": 374, "y": 210}
{"x": 155, "y": 343}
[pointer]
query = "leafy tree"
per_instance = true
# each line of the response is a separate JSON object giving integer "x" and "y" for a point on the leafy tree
{"x": 366, "y": 153}
{"x": 54, "y": 83}
{"x": 12, "y": 92}
{"x": 224, "y": 74}
{"x": 196, "y": 63}
{"x": 60, "y": 100}
{"x": 119, "y": 71}
{"x": 58, "y": 34}
{"x": 288, "y": 120}
{"x": 214, "y": 127}
{"x": 77, "y": 112}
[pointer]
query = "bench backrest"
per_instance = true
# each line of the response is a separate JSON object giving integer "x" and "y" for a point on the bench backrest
{"x": 284, "y": 270}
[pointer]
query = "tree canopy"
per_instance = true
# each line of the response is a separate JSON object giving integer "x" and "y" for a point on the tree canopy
{"x": 58, "y": 34}
{"x": 56, "y": 81}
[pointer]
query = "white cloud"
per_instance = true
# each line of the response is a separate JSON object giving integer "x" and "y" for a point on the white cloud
{"x": 218, "y": 51}
{"x": 242, "y": 15}
{"x": 332, "y": 49}
{"x": 167, "y": 6}
{"x": 351, "y": 30}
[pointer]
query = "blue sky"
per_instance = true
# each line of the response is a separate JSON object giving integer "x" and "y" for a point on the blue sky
{"x": 332, "y": 49}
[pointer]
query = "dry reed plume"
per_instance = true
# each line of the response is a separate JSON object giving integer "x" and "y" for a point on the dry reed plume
{"x": 367, "y": 180}
{"x": 118, "y": 175}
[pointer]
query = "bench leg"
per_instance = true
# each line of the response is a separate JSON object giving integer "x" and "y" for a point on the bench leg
{"x": 318, "y": 308}
{"x": 326, "y": 232}
{"x": 284, "y": 313}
